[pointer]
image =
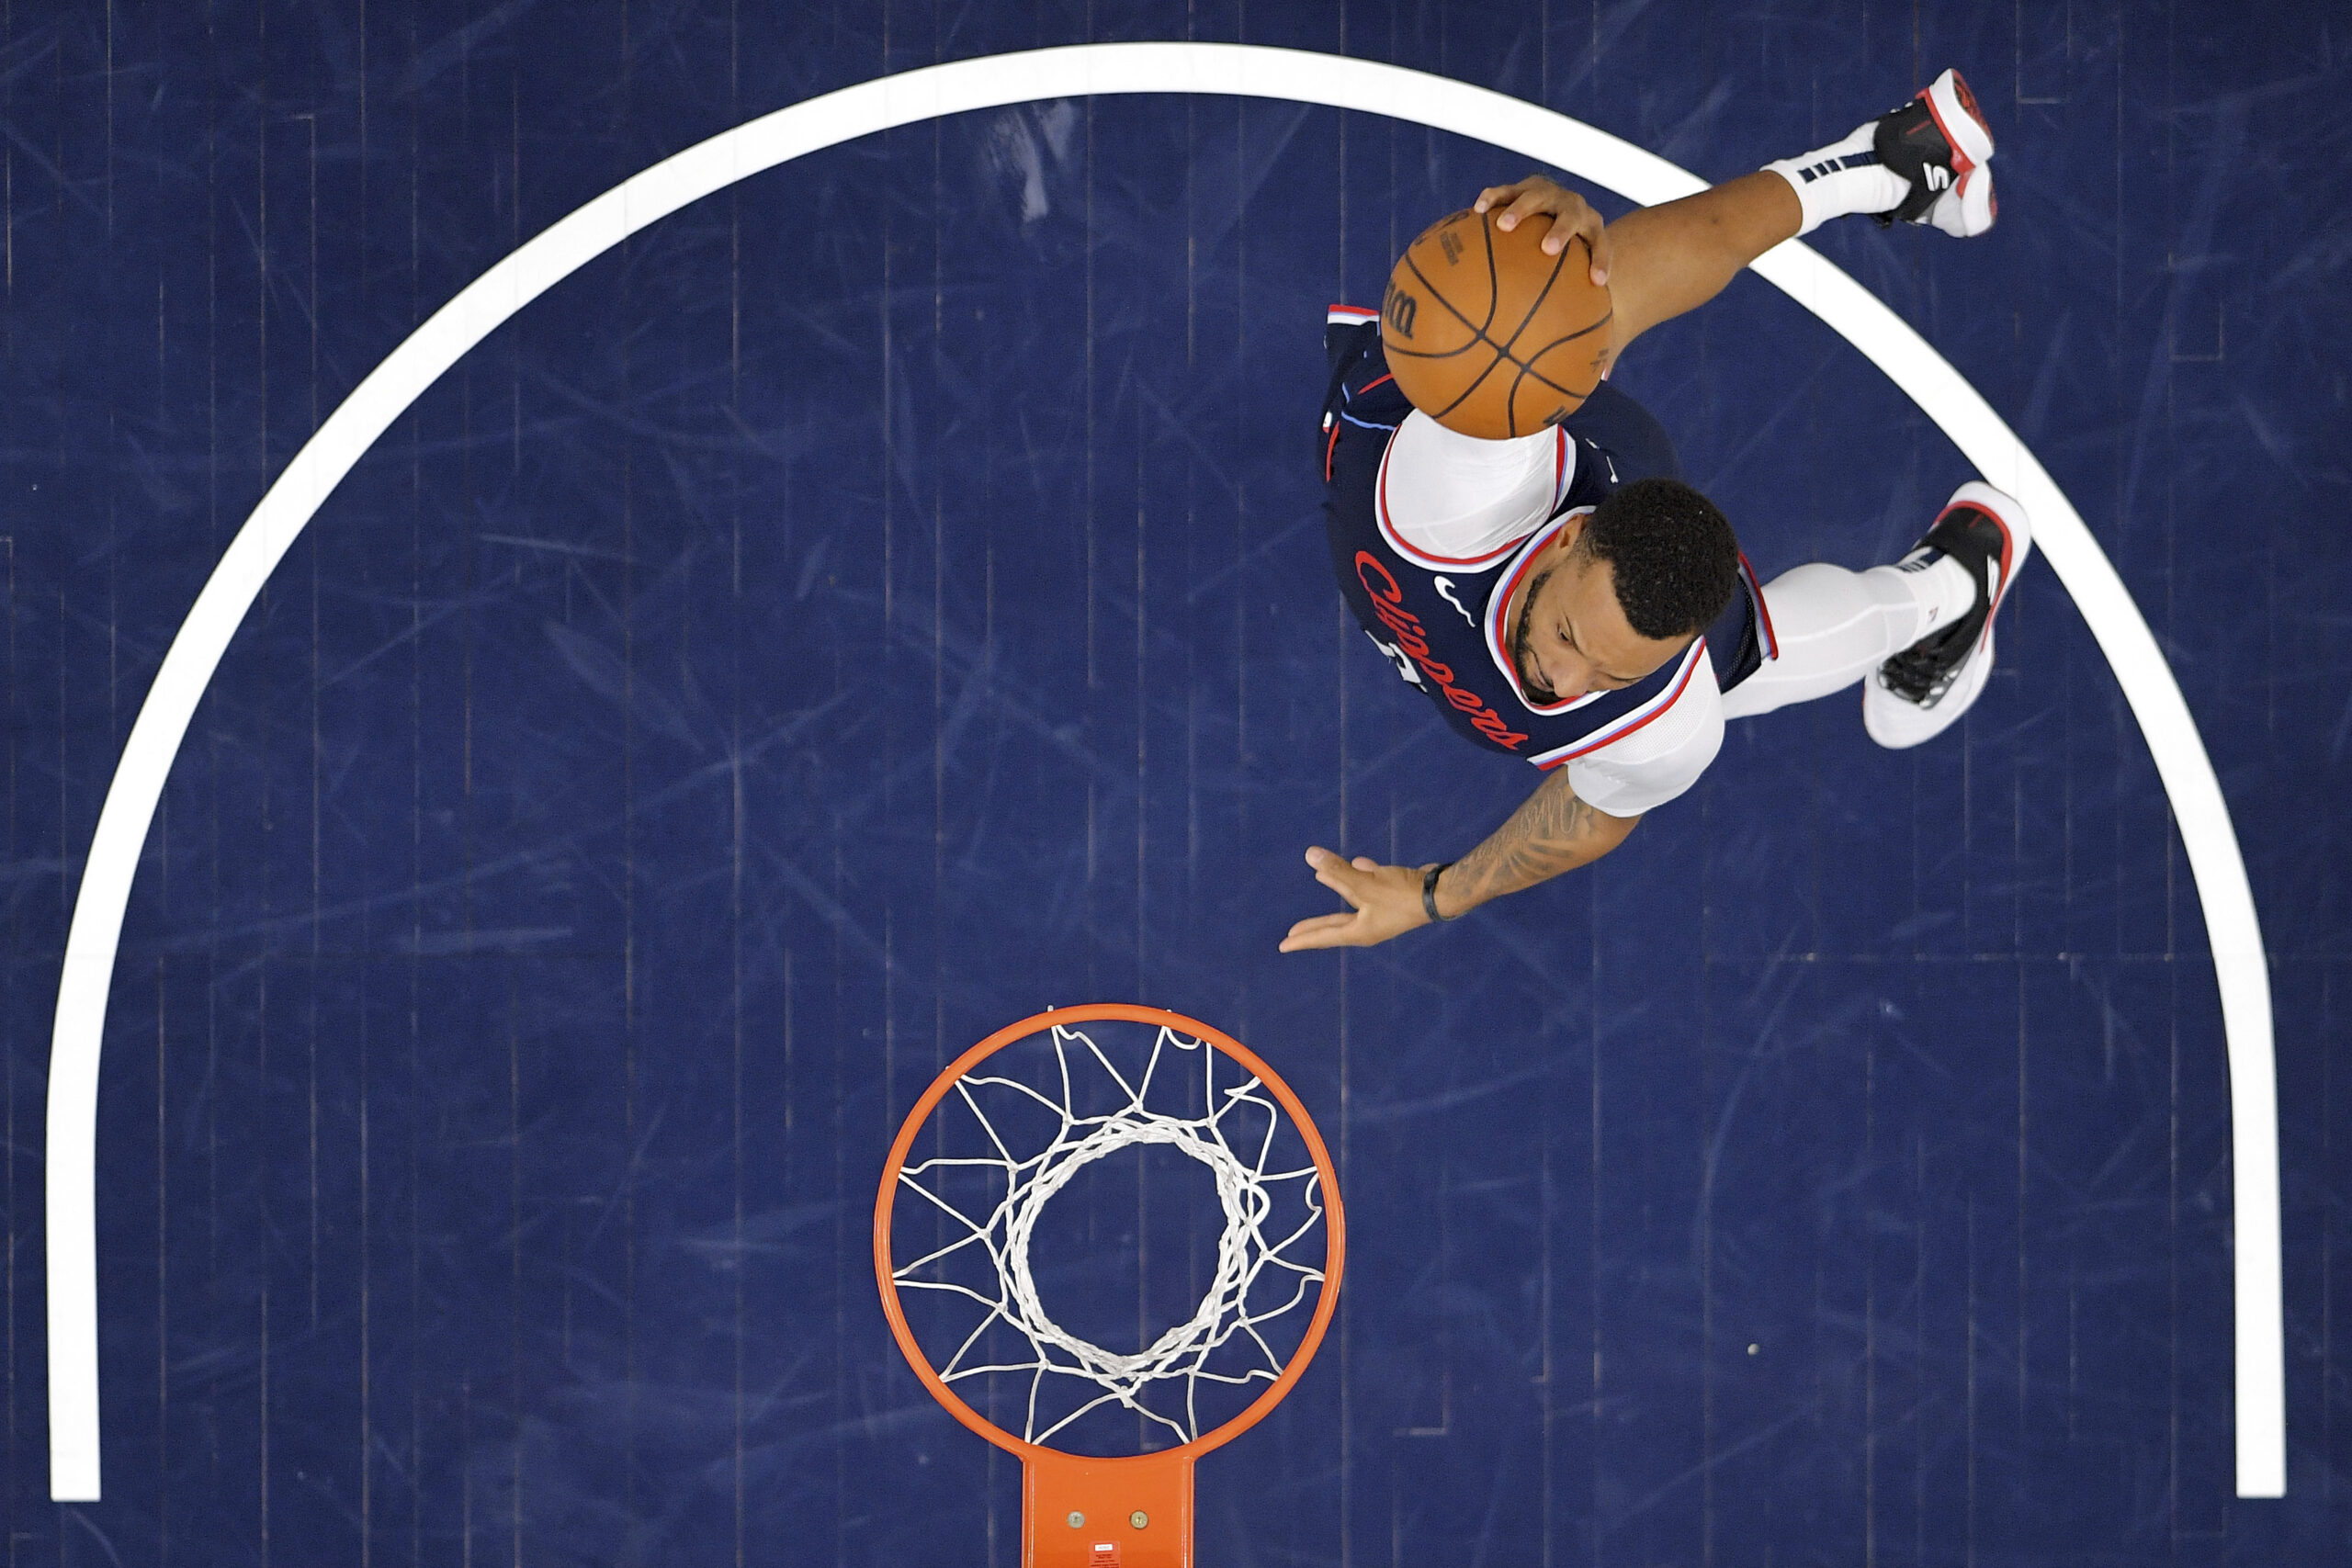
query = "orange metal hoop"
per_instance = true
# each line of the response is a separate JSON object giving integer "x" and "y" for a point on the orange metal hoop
{"x": 1133, "y": 1512}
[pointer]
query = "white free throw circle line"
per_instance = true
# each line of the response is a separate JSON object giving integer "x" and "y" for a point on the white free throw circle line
{"x": 1232, "y": 70}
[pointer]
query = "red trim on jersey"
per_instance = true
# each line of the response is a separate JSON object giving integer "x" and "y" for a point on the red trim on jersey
{"x": 1368, "y": 385}
{"x": 1689, "y": 667}
{"x": 1358, "y": 312}
{"x": 1499, "y": 604}
{"x": 1763, "y": 612}
{"x": 1328, "y": 447}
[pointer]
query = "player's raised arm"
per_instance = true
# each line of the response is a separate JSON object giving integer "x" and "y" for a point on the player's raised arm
{"x": 1542, "y": 574}
{"x": 1551, "y": 832}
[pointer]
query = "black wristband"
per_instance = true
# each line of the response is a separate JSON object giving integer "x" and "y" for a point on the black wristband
{"x": 1429, "y": 891}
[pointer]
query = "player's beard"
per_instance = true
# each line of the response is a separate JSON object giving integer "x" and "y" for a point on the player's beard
{"x": 1522, "y": 638}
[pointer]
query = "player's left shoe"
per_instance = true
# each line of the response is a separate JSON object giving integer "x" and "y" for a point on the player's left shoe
{"x": 1940, "y": 145}
{"x": 1925, "y": 162}
{"x": 1919, "y": 694}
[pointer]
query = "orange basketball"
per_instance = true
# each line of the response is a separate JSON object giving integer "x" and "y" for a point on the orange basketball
{"x": 1489, "y": 336}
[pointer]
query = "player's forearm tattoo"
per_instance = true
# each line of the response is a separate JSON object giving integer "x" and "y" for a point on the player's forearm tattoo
{"x": 1551, "y": 832}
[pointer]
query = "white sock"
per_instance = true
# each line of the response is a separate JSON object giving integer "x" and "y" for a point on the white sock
{"x": 1835, "y": 626}
{"x": 1829, "y": 186}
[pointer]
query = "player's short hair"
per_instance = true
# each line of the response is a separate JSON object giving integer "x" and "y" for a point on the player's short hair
{"x": 1676, "y": 562}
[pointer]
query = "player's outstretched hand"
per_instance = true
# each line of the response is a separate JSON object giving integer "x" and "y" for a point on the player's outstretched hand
{"x": 1386, "y": 900}
{"x": 1570, "y": 213}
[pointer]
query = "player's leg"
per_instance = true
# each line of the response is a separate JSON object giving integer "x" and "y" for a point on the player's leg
{"x": 1834, "y": 627}
{"x": 1923, "y": 163}
{"x": 1919, "y": 631}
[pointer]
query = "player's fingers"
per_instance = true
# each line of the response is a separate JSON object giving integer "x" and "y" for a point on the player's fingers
{"x": 1495, "y": 194}
{"x": 1571, "y": 215}
{"x": 1596, "y": 236}
{"x": 1322, "y": 931}
{"x": 1334, "y": 874}
{"x": 1366, "y": 862}
{"x": 1339, "y": 877}
{"x": 1529, "y": 203}
{"x": 1319, "y": 930}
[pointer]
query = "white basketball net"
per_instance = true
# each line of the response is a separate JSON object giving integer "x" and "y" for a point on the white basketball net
{"x": 1220, "y": 1344}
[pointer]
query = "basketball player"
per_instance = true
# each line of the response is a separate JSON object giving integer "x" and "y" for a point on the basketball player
{"x": 1566, "y": 598}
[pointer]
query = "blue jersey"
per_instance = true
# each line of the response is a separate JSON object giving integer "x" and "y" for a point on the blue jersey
{"x": 1439, "y": 620}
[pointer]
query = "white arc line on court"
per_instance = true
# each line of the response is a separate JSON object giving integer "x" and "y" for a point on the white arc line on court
{"x": 1231, "y": 69}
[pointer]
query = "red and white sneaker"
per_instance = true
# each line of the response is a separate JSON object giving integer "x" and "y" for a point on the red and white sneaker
{"x": 1940, "y": 145}
{"x": 1919, "y": 692}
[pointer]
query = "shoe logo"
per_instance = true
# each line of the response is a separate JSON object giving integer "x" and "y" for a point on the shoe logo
{"x": 1939, "y": 177}
{"x": 1445, "y": 591}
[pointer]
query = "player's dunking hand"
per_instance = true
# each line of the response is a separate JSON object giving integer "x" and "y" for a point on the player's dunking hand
{"x": 1570, "y": 213}
{"x": 1386, "y": 900}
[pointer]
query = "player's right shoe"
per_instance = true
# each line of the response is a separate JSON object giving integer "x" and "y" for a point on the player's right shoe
{"x": 1940, "y": 145}
{"x": 1919, "y": 692}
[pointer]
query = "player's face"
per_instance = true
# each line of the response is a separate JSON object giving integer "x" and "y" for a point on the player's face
{"x": 1571, "y": 637}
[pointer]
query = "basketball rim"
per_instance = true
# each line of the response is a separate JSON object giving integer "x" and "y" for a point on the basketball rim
{"x": 1080, "y": 1510}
